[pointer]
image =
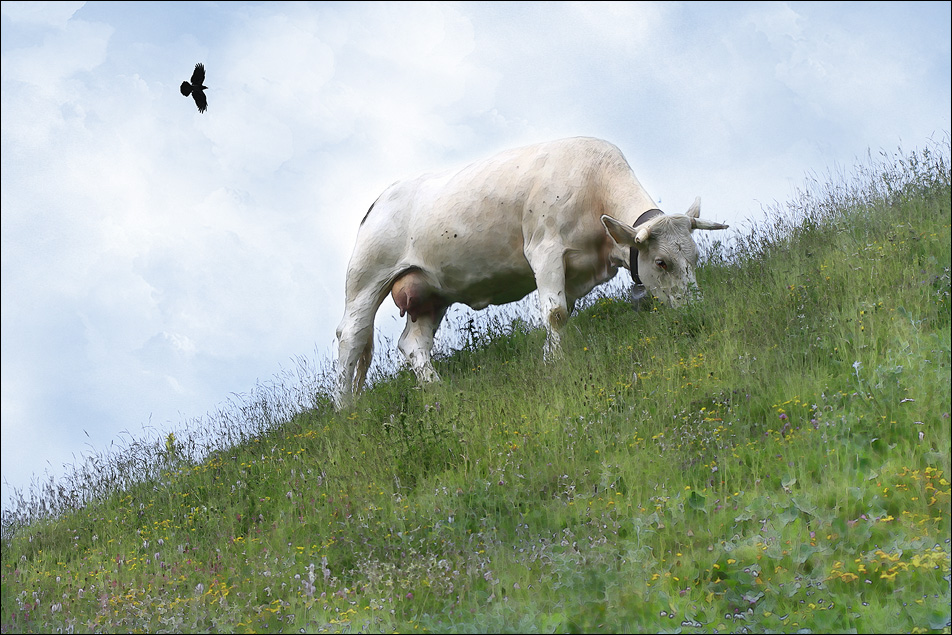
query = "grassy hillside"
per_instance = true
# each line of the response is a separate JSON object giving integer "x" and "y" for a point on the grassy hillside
{"x": 773, "y": 458}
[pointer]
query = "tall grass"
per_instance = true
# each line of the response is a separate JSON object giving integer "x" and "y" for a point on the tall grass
{"x": 772, "y": 458}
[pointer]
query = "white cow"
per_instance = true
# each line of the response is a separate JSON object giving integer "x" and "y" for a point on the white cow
{"x": 560, "y": 217}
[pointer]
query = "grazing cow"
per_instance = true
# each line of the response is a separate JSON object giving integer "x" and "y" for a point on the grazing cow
{"x": 560, "y": 217}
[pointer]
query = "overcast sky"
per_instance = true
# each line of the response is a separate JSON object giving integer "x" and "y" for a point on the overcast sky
{"x": 157, "y": 261}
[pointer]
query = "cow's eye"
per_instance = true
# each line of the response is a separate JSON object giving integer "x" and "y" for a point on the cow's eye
{"x": 661, "y": 264}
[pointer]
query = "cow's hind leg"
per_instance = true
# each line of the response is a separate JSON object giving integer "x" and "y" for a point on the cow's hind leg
{"x": 416, "y": 343}
{"x": 355, "y": 337}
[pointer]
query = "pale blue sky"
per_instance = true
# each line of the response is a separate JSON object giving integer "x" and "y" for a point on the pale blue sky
{"x": 156, "y": 261}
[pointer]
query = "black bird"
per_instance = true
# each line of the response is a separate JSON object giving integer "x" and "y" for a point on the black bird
{"x": 195, "y": 88}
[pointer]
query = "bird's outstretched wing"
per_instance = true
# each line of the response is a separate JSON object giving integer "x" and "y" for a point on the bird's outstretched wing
{"x": 198, "y": 75}
{"x": 200, "y": 100}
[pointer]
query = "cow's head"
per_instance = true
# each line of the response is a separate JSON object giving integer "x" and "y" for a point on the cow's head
{"x": 663, "y": 253}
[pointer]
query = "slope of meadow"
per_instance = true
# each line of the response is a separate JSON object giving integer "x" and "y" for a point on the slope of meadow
{"x": 772, "y": 458}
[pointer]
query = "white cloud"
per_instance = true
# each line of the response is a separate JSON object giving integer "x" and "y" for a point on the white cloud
{"x": 51, "y": 14}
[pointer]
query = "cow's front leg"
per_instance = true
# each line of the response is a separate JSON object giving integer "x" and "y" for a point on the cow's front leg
{"x": 549, "y": 268}
{"x": 416, "y": 344}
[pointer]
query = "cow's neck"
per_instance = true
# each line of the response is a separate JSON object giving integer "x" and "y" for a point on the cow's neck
{"x": 633, "y": 256}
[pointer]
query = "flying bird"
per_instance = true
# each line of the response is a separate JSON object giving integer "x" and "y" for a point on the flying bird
{"x": 195, "y": 87}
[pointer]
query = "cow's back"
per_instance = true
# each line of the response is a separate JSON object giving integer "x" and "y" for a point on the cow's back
{"x": 468, "y": 229}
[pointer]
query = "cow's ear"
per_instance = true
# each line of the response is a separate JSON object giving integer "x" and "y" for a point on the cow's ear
{"x": 695, "y": 210}
{"x": 620, "y": 232}
{"x": 700, "y": 223}
{"x": 697, "y": 222}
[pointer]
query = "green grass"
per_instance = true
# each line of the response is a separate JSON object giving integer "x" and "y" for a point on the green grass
{"x": 773, "y": 458}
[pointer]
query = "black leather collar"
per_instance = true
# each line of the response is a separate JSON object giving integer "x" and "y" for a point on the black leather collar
{"x": 633, "y": 256}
